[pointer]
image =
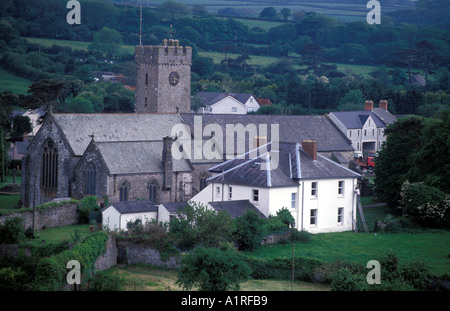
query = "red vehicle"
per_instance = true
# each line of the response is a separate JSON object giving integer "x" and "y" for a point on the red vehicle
{"x": 367, "y": 162}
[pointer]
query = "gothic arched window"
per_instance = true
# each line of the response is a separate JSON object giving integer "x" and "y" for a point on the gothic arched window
{"x": 90, "y": 180}
{"x": 124, "y": 189}
{"x": 203, "y": 182}
{"x": 153, "y": 192}
{"x": 49, "y": 178}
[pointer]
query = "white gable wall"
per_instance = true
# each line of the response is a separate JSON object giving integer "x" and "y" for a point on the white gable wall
{"x": 113, "y": 220}
{"x": 228, "y": 105}
{"x": 252, "y": 104}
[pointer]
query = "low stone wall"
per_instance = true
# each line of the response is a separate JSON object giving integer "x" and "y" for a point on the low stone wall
{"x": 132, "y": 253}
{"x": 50, "y": 217}
{"x": 109, "y": 259}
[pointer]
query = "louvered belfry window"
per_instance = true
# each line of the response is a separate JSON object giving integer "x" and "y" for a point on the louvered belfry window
{"x": 49, "y": 178}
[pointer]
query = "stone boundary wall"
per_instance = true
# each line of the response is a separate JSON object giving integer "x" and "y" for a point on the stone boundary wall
{"x": 133, "y": 253}
{"x": 50, "y": 217}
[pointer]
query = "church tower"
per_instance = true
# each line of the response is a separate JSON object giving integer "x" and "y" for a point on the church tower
{"x": 163, "y": 78}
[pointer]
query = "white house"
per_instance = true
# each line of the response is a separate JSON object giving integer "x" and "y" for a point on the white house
{"x": 319, "y": 193}
{"x": 364, "y": 128}
{"x": 228, "y": 103}
{"x": 116, "y": 215}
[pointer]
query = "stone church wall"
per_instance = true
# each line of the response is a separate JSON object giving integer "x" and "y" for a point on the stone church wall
{"x": 50, "y": 217}
{"x": 31, "y": 193}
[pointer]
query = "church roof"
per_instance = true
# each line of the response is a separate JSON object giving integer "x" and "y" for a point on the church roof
{"x": 130, "y": 157}
{"x": 109, "y": 127}
{"x": 291, "y": 128}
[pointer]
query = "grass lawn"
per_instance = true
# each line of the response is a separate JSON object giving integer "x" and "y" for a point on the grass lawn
{"x": 433, "y": 247}
{"x": 15, "y": 84}
{"x": 61, "y": 233}
{"x": 144, "y": 278}
{"x": 7, "y": 202}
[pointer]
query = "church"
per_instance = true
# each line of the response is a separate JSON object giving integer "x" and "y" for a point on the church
{"x": 128, "y": 156}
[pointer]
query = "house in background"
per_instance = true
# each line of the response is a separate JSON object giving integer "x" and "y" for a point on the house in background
{"x": 229, "y": 103}
{"x": 319, "y": 193}
{"x": 35, "y": 116}
{"x": 364, "y": 128}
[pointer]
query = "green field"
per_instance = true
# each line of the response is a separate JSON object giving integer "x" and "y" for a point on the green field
{"x": 433, "y": 247}
{"x": 144, "y": 278}
{"x": 255, "y": 60}
{"x": 12, "y": 83}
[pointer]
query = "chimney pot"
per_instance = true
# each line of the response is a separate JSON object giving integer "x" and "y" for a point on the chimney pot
{"x": 310, "y": 147}
{"x": 368, "y": 105}
{"x": 383, "y": 104}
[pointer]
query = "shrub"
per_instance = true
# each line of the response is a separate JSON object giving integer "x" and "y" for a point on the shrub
{"x": 300, "y": 236}
{"x": 212, "y": 269}
{"x": 323, "y": 273}
{"x": 105, "y": 281}
{"x": 12, "y": 279}
{"x": 88, "y": 204}
{"x": 281, "y": 268}
{"x": 12, "y": 231}
{"x": 425, "y": 203}
{"x": 49, "y": 274}
{"x": 416, "y": 273}
{"x": 345, "y": 280}
{"x": 248, "y": 231}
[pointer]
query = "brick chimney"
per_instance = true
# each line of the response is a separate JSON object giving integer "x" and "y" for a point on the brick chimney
{"x": 167, "y": 162}
{"x": 368, "y": 106}
{"x": 310, "y": 147}
{"x": 383, "y": 104}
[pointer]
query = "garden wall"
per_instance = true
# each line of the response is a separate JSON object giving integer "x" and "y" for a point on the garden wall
{"x": 133, "y": 253}
{"x": 48, "y": 217}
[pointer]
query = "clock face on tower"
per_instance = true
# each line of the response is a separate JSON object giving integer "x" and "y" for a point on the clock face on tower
{"x": 174, "y": 78}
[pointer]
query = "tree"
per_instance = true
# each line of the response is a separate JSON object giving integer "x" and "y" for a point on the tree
{"x": 431, "y": 164}
{"x": 268, "y": 13}
{"x": 198, "y": 225}
{"x": 107, "y": 42}
{"x": 212, "y": 269}
{"x": 198, "y": 9}
{"x": 45, "y": 93}
{"x": 352, "y": 100}
{"x": 248, "y": 231}
{"x": 21, "y": 125}
{"x": 396, "y": 158}
{"x": 286, "y": 13}
{"x": 174, "y": 10}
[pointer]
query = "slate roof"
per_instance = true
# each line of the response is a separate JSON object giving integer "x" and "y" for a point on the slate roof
{"x": 294, "y": 164}
{"x": 236, "y": 208}
{"x": 174, "y": 207}
{"x": 106, "y": 127}
{"x": 131, "y": 207}
{"x": 291, "y": 128}
{"x": 210, "y": 98}
{"x": 356, "y": 119}
{"x": 129, "y": 157}
{"x": 21, "y": 146}
{"x": 385, "y": 116}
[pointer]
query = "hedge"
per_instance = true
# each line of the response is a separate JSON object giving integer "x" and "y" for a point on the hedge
{"x": 51, "y": 271}
{"x": 281, "y": 268}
